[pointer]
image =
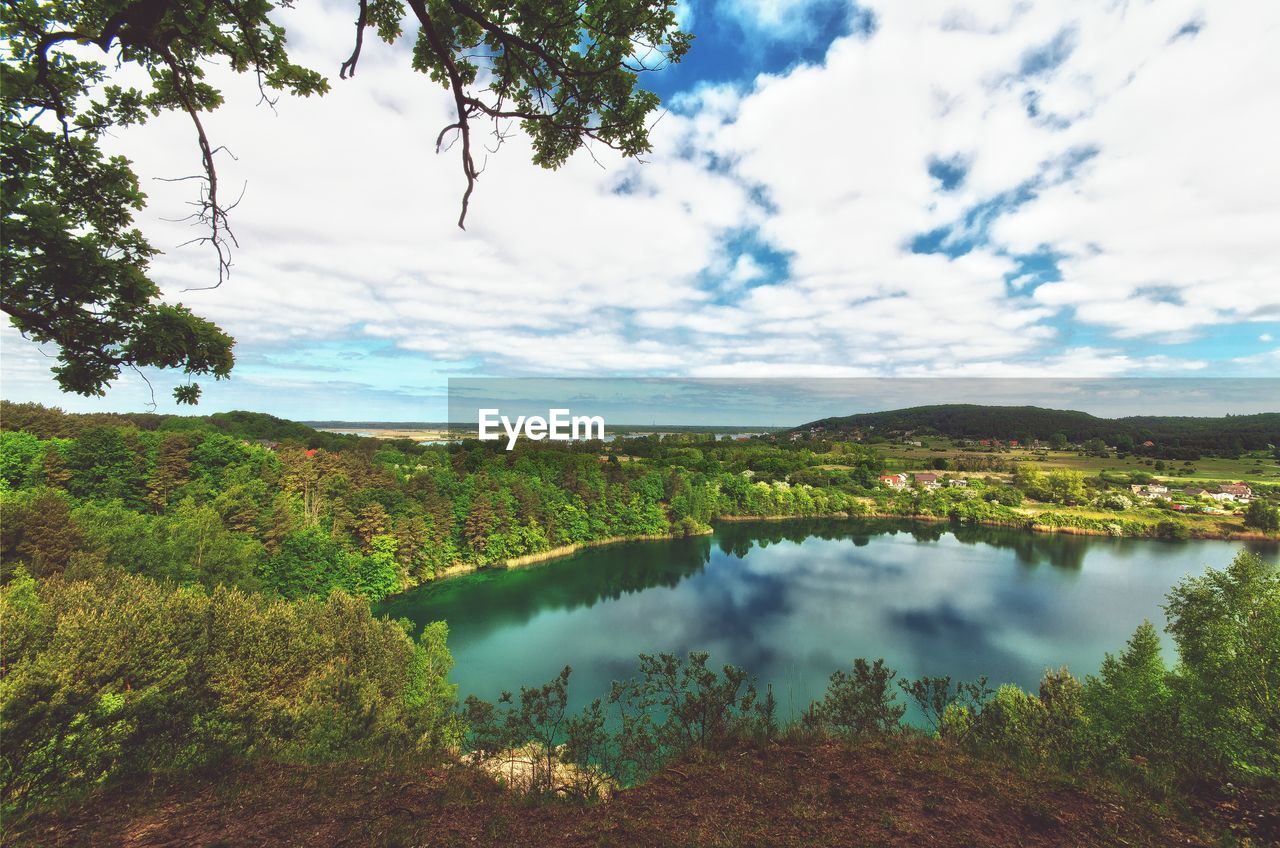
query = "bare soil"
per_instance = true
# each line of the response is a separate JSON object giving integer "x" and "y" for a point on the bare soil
{"x": 901, "y": 792}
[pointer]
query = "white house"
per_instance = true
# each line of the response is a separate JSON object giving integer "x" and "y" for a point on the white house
{"x": 929, "y": 480}
{"x": 1238, "y": 491}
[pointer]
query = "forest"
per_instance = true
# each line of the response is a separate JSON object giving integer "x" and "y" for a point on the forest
{"x": 1171, "y": 436}
{"x": 257, "y": 503}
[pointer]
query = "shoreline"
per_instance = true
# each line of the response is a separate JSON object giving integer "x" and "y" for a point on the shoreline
{"x": 548, "y": 555}
{"x": 568, "y": 550}
{"x": 1066, "y": 530}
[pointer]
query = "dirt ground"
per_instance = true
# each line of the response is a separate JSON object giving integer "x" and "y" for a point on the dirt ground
{"x": 897, "y": 793}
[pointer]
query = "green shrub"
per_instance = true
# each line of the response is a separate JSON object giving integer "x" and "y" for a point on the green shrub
{"x": 859, "y": 704}
{"x": 1010, "y": 725}
{"x": 118, "y": 674}
{"x": 1171, "y": 529}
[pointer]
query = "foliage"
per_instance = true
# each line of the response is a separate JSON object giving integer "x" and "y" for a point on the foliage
{"x": 859, "y": 704}
{"x": 1130, "y": 705}
{"x": 1181, "y": 437}
{"x": 1262, "y": 516}
{"x": 936, "y": 696}
{"x": 118, "y": 674}
{"x": 677, "y": 704}
{"x": 536, "y": 725}
{"x": 1227, "y": 628}
{"x": 255, "y": 502}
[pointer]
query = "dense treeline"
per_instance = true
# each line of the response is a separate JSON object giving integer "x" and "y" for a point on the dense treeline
{"x": 1173, "y": 436}
{"x": 48, "y": 423}
{"x": 249, "y": 501}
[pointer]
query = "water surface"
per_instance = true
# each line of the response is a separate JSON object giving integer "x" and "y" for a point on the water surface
{"x": 793, "y": 601}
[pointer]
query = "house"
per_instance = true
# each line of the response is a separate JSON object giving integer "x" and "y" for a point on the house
{"x": 958, "y": 483}
{"x": 928, "y": 481}
{"x": 1148, "y": 444}
{"x": 1223, "y": 497}
{"x": 894, "y": 481}
{"x": 1157, "y": 489}
{"x": 1238, "y": 491}
{"x": 1195, "y": 492}
{"x": 1150, "y": 491}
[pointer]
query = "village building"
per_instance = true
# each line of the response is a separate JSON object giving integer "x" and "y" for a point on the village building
{"x": 1240, "y": 490}
{"x": 929, "y": 481}
{"x": 958, "y": 483}
{"x": 1150, "y": 491}
{"x": 894, "y": 481}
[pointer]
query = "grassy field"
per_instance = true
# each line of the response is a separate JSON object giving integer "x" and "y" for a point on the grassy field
{"x": 1258, "y": 467}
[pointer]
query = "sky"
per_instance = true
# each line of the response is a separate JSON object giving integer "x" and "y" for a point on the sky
{"x": 884, "y": 189}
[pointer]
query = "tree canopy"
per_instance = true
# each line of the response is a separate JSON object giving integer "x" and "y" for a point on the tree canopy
{"x": 75, "y": 267}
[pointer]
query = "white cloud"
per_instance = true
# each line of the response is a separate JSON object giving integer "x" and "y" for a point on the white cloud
{"x": 1167, "y": 228}
{"x": 772, "y": 19}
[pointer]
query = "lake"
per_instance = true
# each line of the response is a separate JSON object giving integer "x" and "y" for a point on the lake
{"x": 793, "y": 601}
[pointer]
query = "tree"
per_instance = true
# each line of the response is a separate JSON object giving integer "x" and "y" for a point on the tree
{"x": 1065, "y": 486}
{"x": 861, "y": 703}
{"x": 105, "y": 465}
{"x": 1227, "y": 628}
{"x": 49, "y": 537}
{"x": 1058, "y": 441}
{"x": 1262, "y": 516}
{"x": 147, "y": 675}
{"x": 379, "y": 572}
{"x": 173, "y": 465}
{"x": 1129, "y": 705}
{"x": 18, "y": 456}
{"x": 75, "y": 269}
{"x": 1031, "y": 480}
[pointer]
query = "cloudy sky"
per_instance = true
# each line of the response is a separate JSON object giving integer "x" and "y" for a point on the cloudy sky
{"x": 944, "y": 189}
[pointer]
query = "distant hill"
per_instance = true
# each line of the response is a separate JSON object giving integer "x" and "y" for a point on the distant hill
{"x": 1173, "y": 434}
{"x": 51, "y": 422}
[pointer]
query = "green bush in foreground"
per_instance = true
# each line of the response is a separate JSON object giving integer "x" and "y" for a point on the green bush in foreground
{"x": 119, "y": 674}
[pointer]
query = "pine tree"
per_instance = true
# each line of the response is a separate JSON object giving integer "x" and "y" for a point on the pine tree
{"x": 49, "y": 537}
{"x": 173, "y": 470}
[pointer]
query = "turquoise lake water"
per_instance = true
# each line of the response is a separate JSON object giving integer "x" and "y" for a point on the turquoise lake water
{"x": 793, "y": 601}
